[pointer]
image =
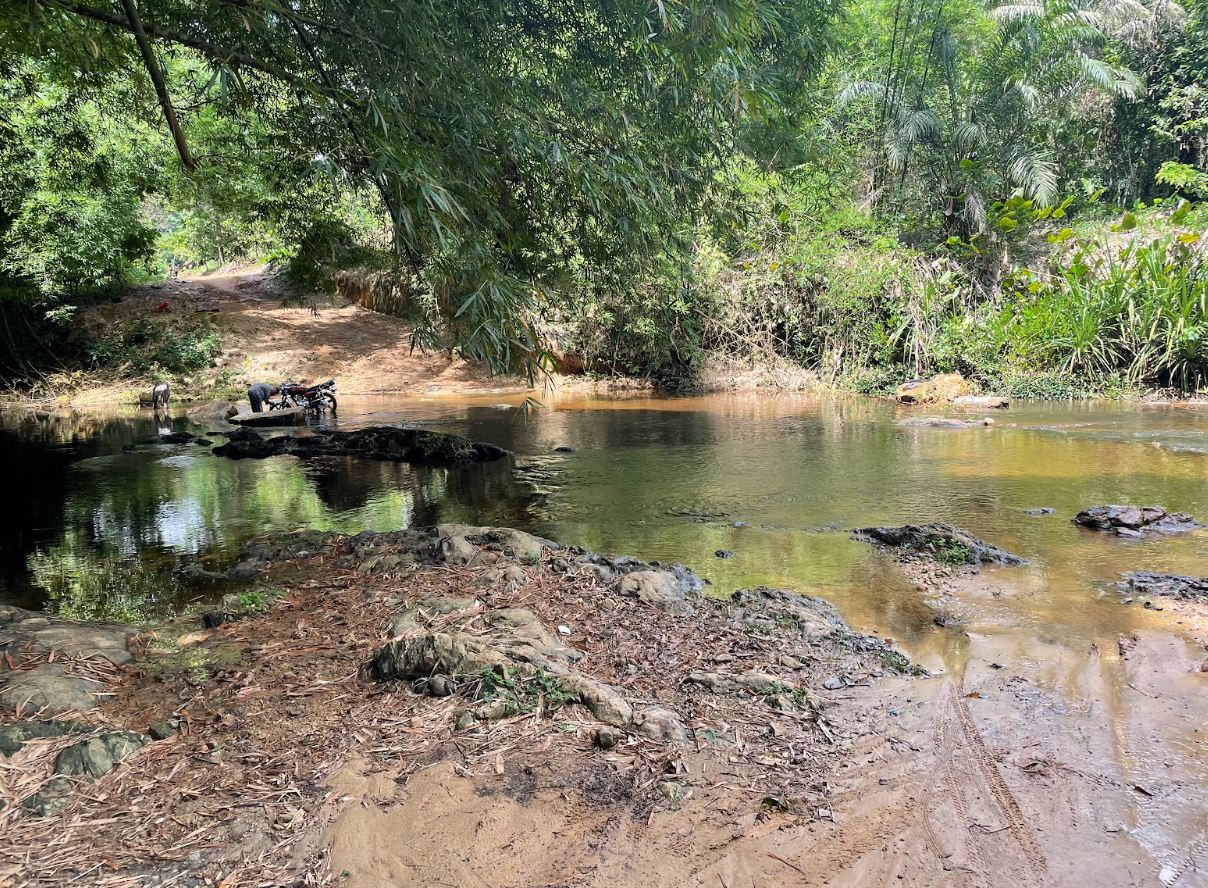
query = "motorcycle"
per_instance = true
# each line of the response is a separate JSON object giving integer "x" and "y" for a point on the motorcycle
{"x": 314, "y": 398}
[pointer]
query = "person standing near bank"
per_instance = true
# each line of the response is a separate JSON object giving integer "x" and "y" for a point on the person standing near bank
{"x": 258, "y": 393}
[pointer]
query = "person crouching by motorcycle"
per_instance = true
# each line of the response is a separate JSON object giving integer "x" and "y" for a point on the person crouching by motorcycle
{"x": 258, "y": 393}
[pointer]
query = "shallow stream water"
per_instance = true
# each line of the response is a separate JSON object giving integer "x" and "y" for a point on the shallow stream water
{"x": 92, "y": 531}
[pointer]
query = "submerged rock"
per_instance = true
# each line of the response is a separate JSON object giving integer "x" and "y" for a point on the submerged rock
{"x": 414, "y": 446}
{"x": 942, "y": 542}
{"x": 1144, "y": 582}
{"x": 991, "y": 402}
{"x": 177, "y": 438}
{"x": 1136, "y": 520}
{"x": 1041, "y": 511}
{"x": 943, "y": 422}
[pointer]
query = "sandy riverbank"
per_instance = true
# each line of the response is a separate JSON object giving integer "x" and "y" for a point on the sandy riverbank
{"x": 756, "y": 740}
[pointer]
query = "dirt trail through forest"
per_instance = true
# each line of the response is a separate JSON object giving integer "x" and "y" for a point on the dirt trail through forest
{"x": 365, "y": 352}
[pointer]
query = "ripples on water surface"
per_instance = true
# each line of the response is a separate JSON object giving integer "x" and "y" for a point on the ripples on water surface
{"x": 93, "y": 531}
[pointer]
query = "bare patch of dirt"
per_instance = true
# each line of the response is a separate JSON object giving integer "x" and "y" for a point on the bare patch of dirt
{"x": 364, "y": 351}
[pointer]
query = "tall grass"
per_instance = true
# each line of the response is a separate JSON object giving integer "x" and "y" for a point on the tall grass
{"x": 1140, "y": 311}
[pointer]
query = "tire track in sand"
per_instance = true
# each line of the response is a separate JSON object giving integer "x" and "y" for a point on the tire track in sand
{"x": 993, "y": 781}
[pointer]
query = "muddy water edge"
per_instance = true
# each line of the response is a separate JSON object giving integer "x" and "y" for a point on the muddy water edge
{"x": 1063, "y": 738}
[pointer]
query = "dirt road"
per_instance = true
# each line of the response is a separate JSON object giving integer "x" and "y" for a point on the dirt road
{"x": 365, "y": 352}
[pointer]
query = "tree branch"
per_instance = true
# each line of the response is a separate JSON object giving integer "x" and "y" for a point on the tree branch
{"x": 161, "y": 87}
{"x": 212, "y": 50}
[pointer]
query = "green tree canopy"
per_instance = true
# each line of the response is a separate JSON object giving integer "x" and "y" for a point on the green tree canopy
{"x": 504, "y": 139}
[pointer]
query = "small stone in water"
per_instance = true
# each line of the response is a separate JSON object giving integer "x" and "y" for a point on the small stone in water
{"x": 724, "y": 553}
{"x": 740, "y": 524}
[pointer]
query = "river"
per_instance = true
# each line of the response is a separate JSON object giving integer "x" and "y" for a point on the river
{"x": 94, "y": 531}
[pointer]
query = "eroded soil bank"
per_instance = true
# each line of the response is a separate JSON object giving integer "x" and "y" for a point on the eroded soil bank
{"x": 550, "y": 717}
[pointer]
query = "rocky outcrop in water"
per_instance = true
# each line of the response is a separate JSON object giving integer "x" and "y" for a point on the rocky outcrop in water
{"x": 944, "y": 422}
{"x": 942, "y": 542}
{"x": 414, "y": 446}
{"x": 1143, "y": 583}
{"x": 268, "y": 418}
{"x": 992, "y": 402}
{"x": 1136, "y": 521}
{"x": 945, "y": 387}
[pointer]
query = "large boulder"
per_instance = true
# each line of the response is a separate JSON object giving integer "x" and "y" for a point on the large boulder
{"x": 49, "y": 688}
{"x": 29, "y": 631}
{"x": 444, "y": 653}
{"x": 522, "y": 636}
{"x": 460, "y": 543}
{"x": 943, "y": 542}
{"x": 212, "y": 412}
{"x": 937, "y": 389}
{"x": 411, "y": 619}
{"x": 668, "y": 590}
{"x": 1135, "y": 521}
{"x": 764, "y": 608}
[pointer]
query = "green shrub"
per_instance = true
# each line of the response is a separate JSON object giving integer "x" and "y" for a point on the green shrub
{"x": 522, "y": 695}
{"x": 148, "y": 346}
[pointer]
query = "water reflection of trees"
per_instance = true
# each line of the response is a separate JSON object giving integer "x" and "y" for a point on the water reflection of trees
{"x": 105, "y": 532}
